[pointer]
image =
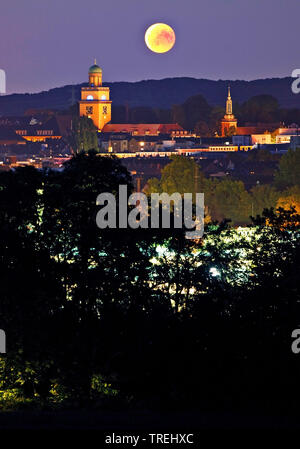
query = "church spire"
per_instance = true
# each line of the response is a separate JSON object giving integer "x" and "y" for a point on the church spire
{"x": 229, "y": 103}
{"x": 229, "y": 122}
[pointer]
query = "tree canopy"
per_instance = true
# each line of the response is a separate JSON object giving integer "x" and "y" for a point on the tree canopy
{"x": 84, "y": 135}
{"x": 143, "y": 317}
{"x": 288, "y": 173}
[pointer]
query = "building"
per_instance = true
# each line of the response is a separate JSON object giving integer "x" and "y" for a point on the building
{"x": 95, "y": 99}
{"x": 261, "y": 139}
{"x": 284, "y": 135}
{"x": 252, "y": 139}
{"x": 124, "y": 142}
{"x": 95, "y": 104}
{"x": 229, "y": 122}
{"x": 53, "y": 128}
{"x": 257, "y": 128}
{"x": 146, "y": 129}
{"x": 242, "y": 140}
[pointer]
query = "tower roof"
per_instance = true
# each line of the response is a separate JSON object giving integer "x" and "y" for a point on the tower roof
{"x": 95, "y": 68}
{"x": 229, "y": 113}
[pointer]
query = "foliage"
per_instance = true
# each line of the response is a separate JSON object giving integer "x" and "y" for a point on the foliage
{"x": 232, "y": 201}
{"x": 143, "y": 316}
{"x": 288, "y": 173}
{"x": 191, "y": 111}
{"x": 181, "y": 175}
{"x": 84, "y": 135}
{"x": 263, "y": 197}
{"x": 260, "y": 109}
{"x": 290, "y": 198}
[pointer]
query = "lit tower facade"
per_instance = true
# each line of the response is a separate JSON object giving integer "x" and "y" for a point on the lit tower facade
{"x": 229, "y": 120}
{"x": 95, "y": 102}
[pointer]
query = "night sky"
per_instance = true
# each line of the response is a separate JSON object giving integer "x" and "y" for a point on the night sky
{"x": 51, "y": 43}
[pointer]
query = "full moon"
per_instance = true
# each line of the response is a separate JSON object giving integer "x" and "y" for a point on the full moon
{"x": 160, "y": 38}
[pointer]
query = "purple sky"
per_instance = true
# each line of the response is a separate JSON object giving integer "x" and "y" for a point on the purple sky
{"x": 50, "y": 43}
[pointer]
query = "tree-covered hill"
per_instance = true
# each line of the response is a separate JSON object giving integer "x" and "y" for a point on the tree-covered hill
{"x": 157, "y": 94}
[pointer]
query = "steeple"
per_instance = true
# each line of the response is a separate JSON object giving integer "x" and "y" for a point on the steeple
{"x": 229, "y": 122}
{"x": 229, "y": 103}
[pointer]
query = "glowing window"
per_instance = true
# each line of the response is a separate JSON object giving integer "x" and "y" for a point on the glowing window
{"x": 103, "y": 97}
{"x": 90, "y": 97}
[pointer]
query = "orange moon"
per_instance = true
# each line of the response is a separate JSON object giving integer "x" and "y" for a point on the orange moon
{"x": 160, "y": 38}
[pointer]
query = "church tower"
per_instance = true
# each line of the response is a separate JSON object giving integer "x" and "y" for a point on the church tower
{"x": 229, "y": 120}
{"x": 95, "y": 102}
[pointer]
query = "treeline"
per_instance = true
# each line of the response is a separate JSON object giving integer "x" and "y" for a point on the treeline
{"x": 160, "y": 94}
{"x": 120, "y": 317}
{"x": 228, "y": 198}
{"x": 197, "y": 115}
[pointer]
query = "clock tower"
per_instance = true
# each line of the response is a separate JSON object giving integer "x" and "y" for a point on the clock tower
{"x": 95, "y": 102}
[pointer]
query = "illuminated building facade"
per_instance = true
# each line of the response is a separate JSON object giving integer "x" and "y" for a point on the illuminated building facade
{"x": 53, "y": 128}
{"x": 95, "y": 102}
{"x": 229, "y": 121}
